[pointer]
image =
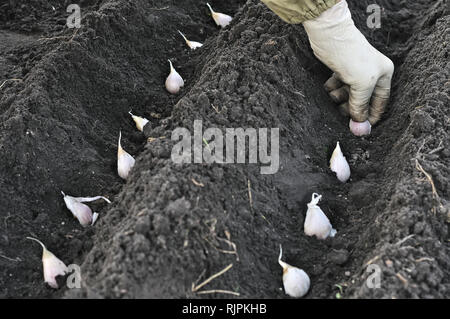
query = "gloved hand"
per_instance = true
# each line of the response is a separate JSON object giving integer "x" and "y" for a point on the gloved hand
{"x": 362, "y": 75}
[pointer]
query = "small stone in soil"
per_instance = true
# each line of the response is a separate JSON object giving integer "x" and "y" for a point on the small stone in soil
{"x": 338, "y": 257}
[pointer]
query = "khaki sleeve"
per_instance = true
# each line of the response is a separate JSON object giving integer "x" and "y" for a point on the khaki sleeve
{"x": 298, "y": 11}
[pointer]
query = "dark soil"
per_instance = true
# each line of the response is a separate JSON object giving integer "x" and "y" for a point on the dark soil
{"x": 60, "y": 123}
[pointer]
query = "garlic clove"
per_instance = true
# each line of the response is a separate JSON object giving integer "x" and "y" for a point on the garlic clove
{"x": 53, "y": 266}
{"x": 339, "y": 165}
{"x": 140, "y": 121}
{"x": 316, "y": 222}
{"x": 81, "y": 211}
{"x": 295, "y": 281}
{"x": 174, "y": 81}
{"x": 220, "y": 19}
{"x": 191, "y": 44}
{"x": 360, "y": 128}
{"x": 125, "y": 161}
{"x": 194, "y": 45}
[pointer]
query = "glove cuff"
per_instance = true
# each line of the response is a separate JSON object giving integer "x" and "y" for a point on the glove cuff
{"x": 298, "y": 11}
{"x": 334, "y": 16}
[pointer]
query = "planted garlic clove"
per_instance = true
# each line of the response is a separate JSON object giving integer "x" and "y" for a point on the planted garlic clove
{"x": 140, "y": 121}
{"x": 360, "y": 128}
{"x": 339, "y": 165}
{"x": 81, "y": 211}
{"x": 125, "y": 161}
{"x": 174, "y": 81}
{"x": 316, "y": 222}
{"x": 191, "y": 44}
{"x": 53, "y": 267}
{"x": 220, "y": 19}
{"x": 295, "y": 281}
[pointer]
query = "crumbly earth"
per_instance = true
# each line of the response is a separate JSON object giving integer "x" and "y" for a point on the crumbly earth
{"x": 67, "y": 95}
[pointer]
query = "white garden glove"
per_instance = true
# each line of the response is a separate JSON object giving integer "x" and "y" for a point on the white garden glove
{"x": 362, "y": 75}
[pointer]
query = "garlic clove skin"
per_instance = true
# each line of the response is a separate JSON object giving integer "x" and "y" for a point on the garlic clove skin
{"x": 174, "y": 81}
{"x": 140, "y": 121}
{"x": 339, "y": 164}
{"x": 360, "y": 128}
{"x": 296, "y": 282}
{"x": 316, "y": 222}
{"x": 125, "y": 161}
{"x": 191, "y": 44}
{"x": 220, "y": 19}
{"x": 94, "y": 218}
{"x": 53, "y": 266}
{"x": 91, "y": 199}
{"x": 81, "y": 211}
